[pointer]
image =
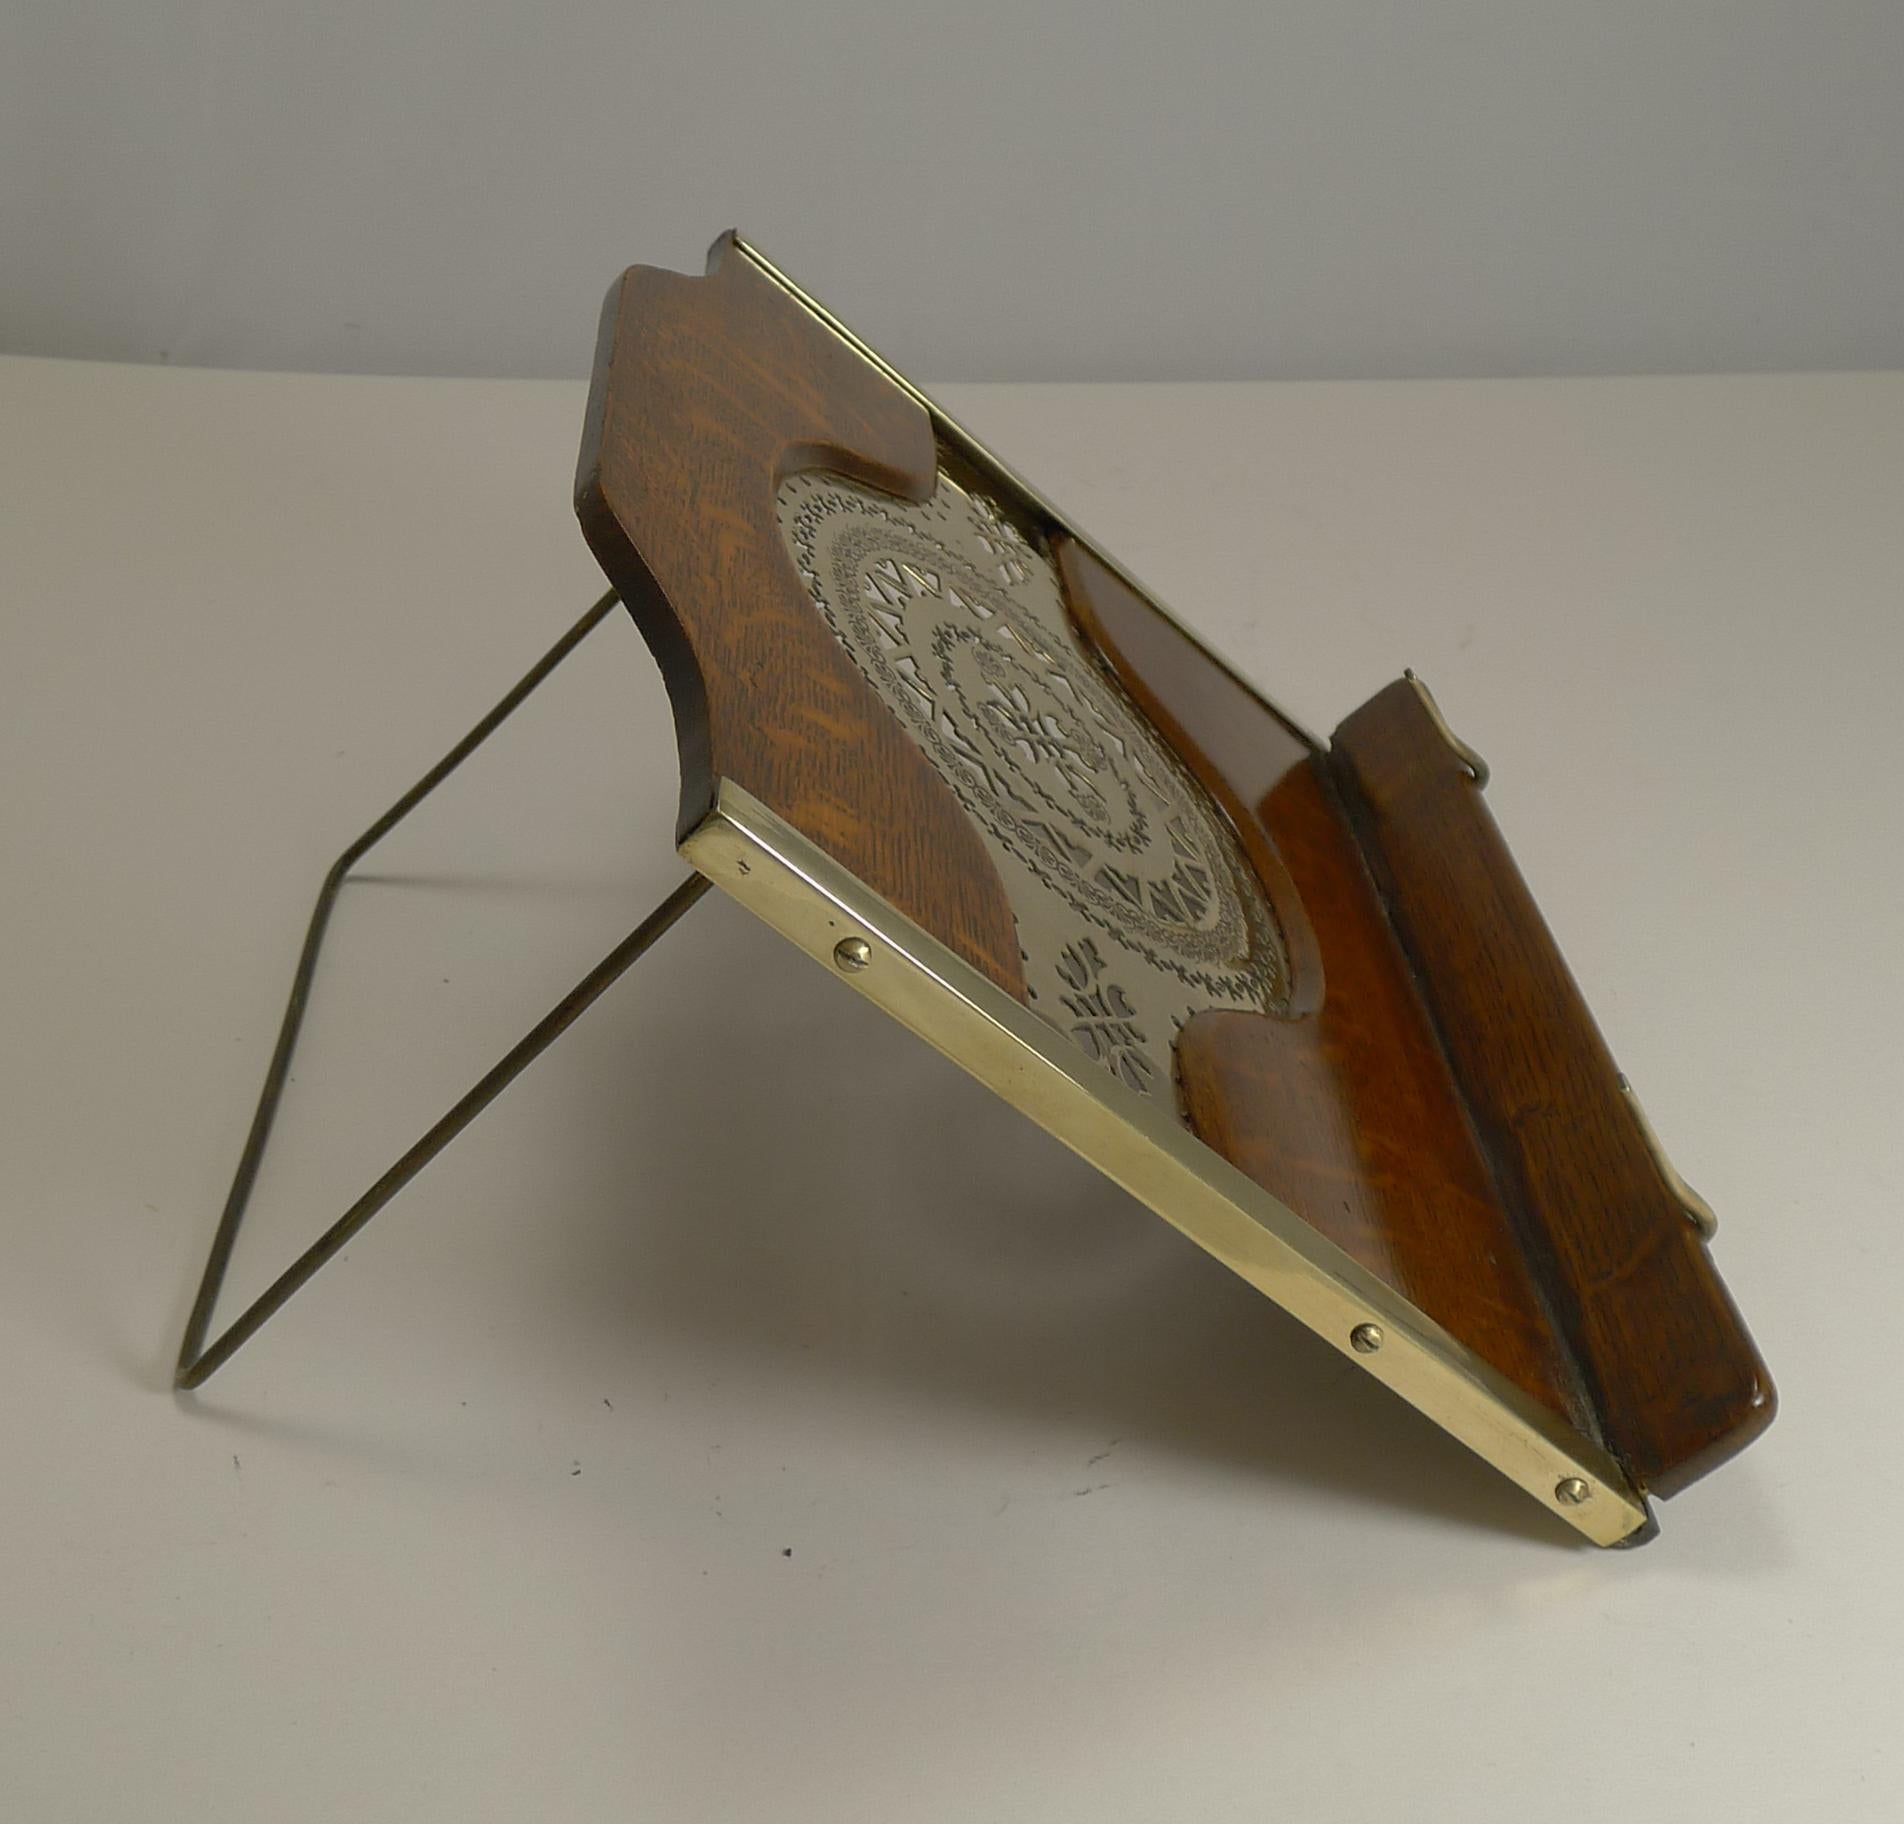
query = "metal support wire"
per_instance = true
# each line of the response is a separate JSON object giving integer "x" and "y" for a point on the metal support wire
{"x": 196, "y": 1362}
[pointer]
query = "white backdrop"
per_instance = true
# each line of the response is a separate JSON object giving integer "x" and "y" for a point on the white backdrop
{"x": 1283, "y": 188}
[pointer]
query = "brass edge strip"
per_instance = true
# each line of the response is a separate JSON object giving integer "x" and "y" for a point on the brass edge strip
{"x": 1699, "y": 1212}
{"x": 1477, "y": 767}
{"x": 794, "y": 886}
{"x": 961, "y": 439}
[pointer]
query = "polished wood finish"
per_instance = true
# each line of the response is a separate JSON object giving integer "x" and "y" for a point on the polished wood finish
{"x": 708, "y": 392}
{"x": 1442, "y": 1107}
{"x": 1678, "y": 1382}
{"x": 1346, "y": 1111}
{"x": 1436, "y": 1101}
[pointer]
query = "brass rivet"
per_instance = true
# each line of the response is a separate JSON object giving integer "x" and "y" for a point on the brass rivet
{"x": 852, "y": 954}
{"x": 1365, "y": 1339}
{"x": 1570, "y": 1491}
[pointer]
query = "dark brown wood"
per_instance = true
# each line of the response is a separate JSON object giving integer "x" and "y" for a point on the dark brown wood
{"x": 1346, "y": 1112}
{"x": 1442, "y": 1107}
{"x": 1437, "y": 1102}
{"x": 1679, "y": 1384}
{"x": 708, "y": 392}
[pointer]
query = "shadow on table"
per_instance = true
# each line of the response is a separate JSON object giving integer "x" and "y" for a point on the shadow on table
{"x": 806, "y": 1184}
{"x": 763, "y": 1168}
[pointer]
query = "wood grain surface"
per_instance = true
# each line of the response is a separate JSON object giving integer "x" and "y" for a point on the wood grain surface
{"x": 707, "y": 393}
{"x": 1345, "y": 1111}
{"x": 1437, "y": 1102}
{"x": 1678, "y": 1382}
{"x": 1442, "y": 1106}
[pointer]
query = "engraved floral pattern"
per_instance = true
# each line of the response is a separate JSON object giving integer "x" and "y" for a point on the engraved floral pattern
{"x": 1105, "y": 1021}
{"x": 1134, "y": 904}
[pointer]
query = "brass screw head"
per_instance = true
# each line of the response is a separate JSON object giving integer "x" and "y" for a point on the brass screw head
{"x": 1365, "y": 1339}
{"x": 852, "y": 954}
{"x": 1570, "y": 1491}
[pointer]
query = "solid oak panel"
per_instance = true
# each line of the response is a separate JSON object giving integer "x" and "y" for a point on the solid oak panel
{"x": 1437, "y": 1101}
{"x": 1443, "y": 1107}
{"x": 1680, "y": 1385}
{"x": 1346, "y": 1112}
{"x": 708, "y": 392}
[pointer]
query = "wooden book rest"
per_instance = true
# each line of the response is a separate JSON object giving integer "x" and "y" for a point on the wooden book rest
{"x": 1294, "y": 996}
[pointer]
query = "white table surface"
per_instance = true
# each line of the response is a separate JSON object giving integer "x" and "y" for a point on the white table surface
{"x": 749, "y": 1418}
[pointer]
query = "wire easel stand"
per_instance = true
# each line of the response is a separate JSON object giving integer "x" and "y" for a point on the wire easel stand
{"x": 197, "y": 1361}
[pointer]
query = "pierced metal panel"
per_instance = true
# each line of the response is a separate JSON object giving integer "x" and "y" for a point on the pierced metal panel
{"x": 1135, "y": 905}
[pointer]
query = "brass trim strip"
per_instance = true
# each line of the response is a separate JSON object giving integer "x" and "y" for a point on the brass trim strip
{"x": 1699, "y": 1212}
{"x": 1477, "y": 767}
{"x": 794, "y": 886}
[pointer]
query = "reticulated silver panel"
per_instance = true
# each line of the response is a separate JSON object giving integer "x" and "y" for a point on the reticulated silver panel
{"x": 1135, "y": 905}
